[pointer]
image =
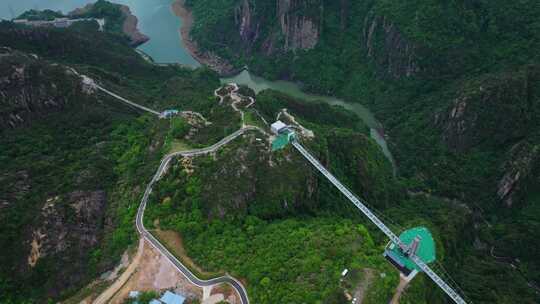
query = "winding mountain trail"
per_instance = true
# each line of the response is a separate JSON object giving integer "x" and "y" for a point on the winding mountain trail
{"x": 236, "y": 99}
{"x": 145, "y": 234}
{"x": 160, "y": 247}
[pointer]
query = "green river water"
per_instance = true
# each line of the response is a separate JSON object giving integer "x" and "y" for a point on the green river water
{"x": 259, "y": 84}
{"x": 157, "y": 20}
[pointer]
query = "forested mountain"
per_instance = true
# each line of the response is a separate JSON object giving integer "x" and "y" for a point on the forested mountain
{"x": 73, "y": 162}
{"x": 457, "y": 86}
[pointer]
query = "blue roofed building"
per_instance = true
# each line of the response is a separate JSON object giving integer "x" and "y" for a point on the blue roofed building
{"x": 172, "y": 298}
{"x": 169, "y": 298}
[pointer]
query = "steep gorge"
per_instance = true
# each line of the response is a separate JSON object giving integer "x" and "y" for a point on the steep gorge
{"x": 282, "y": 29}
{"x": 295, "y": 29}
{"x": 455, "y": 84}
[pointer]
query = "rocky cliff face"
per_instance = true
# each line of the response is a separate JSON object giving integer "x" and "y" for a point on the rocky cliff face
{"x": 30, "y": 88}
{"x": 66, "y": 231}
{"x": 295, "y": 29}
{"x": 394, "y": 55}
{"x": 498, "y": 112}
{"x": 130, "y": 28}
{"x": 496, "y": 109}
{"x": 256, "y": 31}
{"x": 518, "y": 169}
{"x": 297, "y": 25}
{"x": 299, "y": 31}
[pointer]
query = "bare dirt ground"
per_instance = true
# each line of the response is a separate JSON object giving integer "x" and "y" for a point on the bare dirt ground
{"x": 363, "y": 286}
{"x": 403, "y": 284}
{"x": 212, "y": 294}
{"x": 173, "y": 241}
{"x": 155, "y": 272}
{"x": 149, "y": 270}
{"x": 223, "y": 292}
{"x": 125, "y": 276}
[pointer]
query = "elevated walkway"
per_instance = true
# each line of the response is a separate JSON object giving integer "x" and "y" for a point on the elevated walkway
{"x": 402, "y": 247}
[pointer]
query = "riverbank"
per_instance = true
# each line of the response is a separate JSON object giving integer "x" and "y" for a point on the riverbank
{"x": 129, "y": 24}
{"x": 130, "y": 27}
{"x": 209, "y": 59}
{"x": 241, "y": 76}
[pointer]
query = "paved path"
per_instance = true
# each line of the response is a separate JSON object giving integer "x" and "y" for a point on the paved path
{"x": 89, "y": 82}
{"x": 403, "y": 284}
{"x": 154, "y": 242}
{"x": 104, "y": 297}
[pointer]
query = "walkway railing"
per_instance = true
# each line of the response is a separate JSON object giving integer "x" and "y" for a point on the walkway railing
{"x": 393, "y": 237}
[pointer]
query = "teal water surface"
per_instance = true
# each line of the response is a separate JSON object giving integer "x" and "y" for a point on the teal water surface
{"x": 259, "y": 84}
{"x": 156, "y": 20}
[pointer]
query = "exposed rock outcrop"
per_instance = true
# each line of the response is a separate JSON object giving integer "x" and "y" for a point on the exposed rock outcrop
{"x": 300, "y": 31}
{"x": 30, "y": 87}
{"x": 296, "y": 29}
{"x": 129, "y": 27}
{"x": 495, "y": 109}
{"x": 389, "y": 48}
{"x": 68, "y": 228}
{"x": 523, "y": 158}
{"x": 244, "y": 20}
{"x": 282, "y": 26}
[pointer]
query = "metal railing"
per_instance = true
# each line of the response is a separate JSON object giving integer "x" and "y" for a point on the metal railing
{"x": 375, "y": 220}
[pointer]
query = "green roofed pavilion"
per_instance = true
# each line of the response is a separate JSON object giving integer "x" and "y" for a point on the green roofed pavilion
{"x": 426, "y": 248}
{"x": 282, "y": 140}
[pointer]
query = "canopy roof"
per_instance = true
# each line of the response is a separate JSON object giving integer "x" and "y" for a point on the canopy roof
{"x": 426, "y": 249}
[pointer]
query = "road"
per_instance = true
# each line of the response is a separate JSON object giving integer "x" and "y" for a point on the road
{"x": 106, "y": 295}
{"x": 163, "y": 166}
{"x": 154, "y": 242}
{"x": 161, "y": 170}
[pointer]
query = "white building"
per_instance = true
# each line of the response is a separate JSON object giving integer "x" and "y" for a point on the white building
{"x": 59, "y": 22}
{"x": 134, "y": 294}
{"x": 277, "y": 127}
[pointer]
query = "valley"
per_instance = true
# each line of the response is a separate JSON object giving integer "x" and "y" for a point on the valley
{"x": 458, "y": 152}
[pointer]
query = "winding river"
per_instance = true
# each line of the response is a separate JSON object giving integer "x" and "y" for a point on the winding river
{"x": 259, "y": 84}
{"x": 157, "y": 20}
